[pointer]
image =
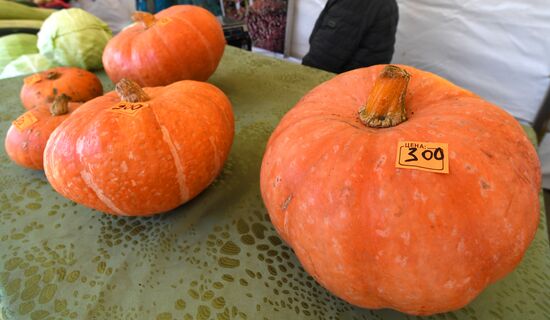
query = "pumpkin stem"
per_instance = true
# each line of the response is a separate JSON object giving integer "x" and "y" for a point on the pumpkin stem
{"x": 148, "y": 19}
{"x": 60, "y": 105}
{"x": 52, "y": 75}
{"x": 130, "y": 91}
{"x": 386, "y": 103}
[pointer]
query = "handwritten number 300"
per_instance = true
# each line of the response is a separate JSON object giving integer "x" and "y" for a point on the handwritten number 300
{"x": 426, "y": 154}
{"x": 131, "y": 107}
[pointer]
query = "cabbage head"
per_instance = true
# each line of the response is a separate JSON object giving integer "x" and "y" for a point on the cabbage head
{"x": 16, "y": 45}
{"x": 26, "y": 64}
{"x": 74, "y": 37}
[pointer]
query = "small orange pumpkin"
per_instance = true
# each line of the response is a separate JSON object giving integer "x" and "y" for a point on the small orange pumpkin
{"x": 183, "y": 42}
{"x": 78, "y": 84}
{"x": 143, "y": 151}
{"x": 379, "y": 236}
{"x": 27, "y": 136}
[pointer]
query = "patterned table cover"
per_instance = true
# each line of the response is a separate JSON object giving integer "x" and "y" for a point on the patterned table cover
{"x": 216, "y": 257}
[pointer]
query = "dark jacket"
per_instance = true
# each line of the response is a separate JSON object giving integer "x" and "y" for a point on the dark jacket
{"x": 350, "y": 34}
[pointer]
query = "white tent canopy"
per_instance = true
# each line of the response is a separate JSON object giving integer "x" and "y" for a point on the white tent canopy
{"x": 498, "y": 49}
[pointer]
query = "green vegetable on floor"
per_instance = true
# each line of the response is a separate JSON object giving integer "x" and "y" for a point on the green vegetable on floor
{"x": 26, "y": 64}
{"x": 15, "y": 45}
{"x": 8, "y": 27}
{"x": 74, "y": 38}
{"x": 14, "y": 10}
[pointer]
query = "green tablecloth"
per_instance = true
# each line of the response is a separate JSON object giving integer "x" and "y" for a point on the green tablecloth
{"x": 217, "y": 257}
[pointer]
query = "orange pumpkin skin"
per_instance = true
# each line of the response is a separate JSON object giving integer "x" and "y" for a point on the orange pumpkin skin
{"x": 144, "y": 163}
{"x": 185, "y": 43}
{"x": 79, "y": 84}
{"x": 26, "y": 147}
{"x": 382, "y": 237}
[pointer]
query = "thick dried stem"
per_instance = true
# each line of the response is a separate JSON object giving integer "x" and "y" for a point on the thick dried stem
{"x": 60, "y": 105}
{"x": 386, "y": 103}
{"x": 148, "y": 19}
{"x": 130, "y": 91}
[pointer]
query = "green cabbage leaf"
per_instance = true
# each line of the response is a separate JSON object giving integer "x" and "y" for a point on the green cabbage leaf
{"x": 15, "y": 45}
{"x": 26, "y": 64}
{"x": 74, "y": 37}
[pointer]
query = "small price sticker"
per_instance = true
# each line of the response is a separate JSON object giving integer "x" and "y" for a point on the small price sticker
{"x": 129, "y": 108}
{"x": 426, "y": 156}
{"x": 24, "y": 121}
{"x": 32, "y": 79}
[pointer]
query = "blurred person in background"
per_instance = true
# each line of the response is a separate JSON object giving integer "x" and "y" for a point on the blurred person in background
{"x": 350, "y": 34}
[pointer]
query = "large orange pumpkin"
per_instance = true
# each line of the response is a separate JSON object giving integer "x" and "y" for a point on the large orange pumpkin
{"x": 384, "y": 237}
{"x": 141, "y": 152}
{"x": 40, "y": 88}
{"x": 183, "y": 42}
{"x": 27, "y": 136}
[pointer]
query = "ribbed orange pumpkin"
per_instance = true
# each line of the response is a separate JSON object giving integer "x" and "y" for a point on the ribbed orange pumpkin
{"x": 40, "y": 88}
{"x": 25, "y": 143}
{"x": 183, "y": 42}
{"x": 383, "y": 237}
{"x": 141, "y": 152}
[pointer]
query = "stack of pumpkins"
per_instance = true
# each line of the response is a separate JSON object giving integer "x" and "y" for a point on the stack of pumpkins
{"x": 136, "y": 151}
{"x": 373, "y": 234}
